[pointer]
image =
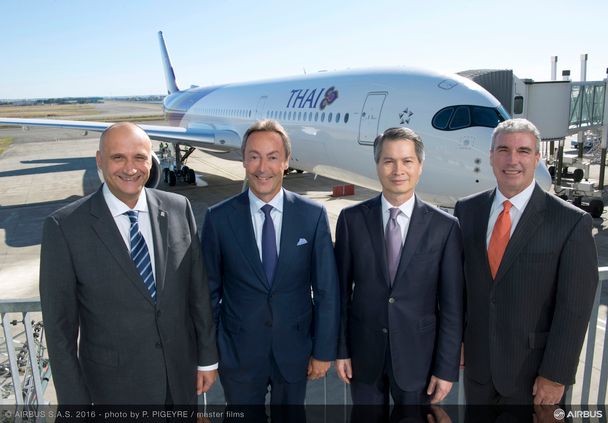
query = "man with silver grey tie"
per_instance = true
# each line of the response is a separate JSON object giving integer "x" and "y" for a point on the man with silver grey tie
{"x": 399, "y": 263}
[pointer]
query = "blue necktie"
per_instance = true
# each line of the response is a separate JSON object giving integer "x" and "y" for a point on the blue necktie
{"x": 140, "y": 254}
{"x": 269, "y": 245}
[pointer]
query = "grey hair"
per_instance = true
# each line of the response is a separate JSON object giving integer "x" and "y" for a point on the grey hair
{"x": 397, "y": 134}
{"x": 268, "y": 125}
{"x": 516, "y": 125}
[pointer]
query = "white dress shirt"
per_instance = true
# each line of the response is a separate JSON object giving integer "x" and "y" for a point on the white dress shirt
{"x": 257, "y": 218}
{"x": 403, "y": 218}
{"x": 117, "y": 210}
{"x": 519, "y": 202}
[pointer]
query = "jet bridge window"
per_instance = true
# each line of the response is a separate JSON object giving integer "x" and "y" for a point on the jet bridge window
{"x": 464, "y": 116}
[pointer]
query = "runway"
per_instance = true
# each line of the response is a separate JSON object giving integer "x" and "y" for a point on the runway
{"x": 45, "y": 169}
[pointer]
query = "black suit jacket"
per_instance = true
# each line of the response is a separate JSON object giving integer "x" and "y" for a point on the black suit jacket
{"x": 131, "y": 350}
{"x": 532, "y": 319}
{"x": 420, "y": 316}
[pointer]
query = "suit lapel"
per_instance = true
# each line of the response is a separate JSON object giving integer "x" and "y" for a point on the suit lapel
{"x": 418, "y": 225}
{"x": 242, "y": 228}
{"x": 480, "y": 230}
{"x": 108, "y": 233}
{"x": 530, "y": 221}
{"x": 373, "y": 221}
{"x": 158, "y": 221}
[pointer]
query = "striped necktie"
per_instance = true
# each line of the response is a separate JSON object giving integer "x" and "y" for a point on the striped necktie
{"x": 140, "y": 254}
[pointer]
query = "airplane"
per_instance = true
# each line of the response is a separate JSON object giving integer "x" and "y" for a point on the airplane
{"x": 332, "y": 119}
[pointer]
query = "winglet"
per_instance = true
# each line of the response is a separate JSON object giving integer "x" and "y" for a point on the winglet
{"x": 169, "y": 74}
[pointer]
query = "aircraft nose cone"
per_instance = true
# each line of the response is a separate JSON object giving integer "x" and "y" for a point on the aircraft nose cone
{"x": 542, "y": 176}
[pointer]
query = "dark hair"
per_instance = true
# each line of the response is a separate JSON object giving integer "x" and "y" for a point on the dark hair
{"x": 398, "y": 134}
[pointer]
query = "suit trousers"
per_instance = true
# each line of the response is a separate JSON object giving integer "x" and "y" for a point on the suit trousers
{"x": 377, "y": 393}
{"x": 254, "y": 392}
{"x": 486, "y": 394}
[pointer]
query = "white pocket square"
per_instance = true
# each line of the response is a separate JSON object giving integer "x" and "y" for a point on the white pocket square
{"x": 302, "y": 241}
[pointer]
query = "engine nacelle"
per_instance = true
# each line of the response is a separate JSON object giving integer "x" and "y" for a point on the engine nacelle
{"x": 155, "y": 172}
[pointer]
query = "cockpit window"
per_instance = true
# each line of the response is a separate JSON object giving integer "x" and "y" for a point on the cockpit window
{"x": 464, "y": 116}
{"x": 461, "y": 118}
{"x": 442, "y": 118}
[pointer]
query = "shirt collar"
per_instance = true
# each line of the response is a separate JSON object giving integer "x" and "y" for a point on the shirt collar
{"x": 518, "y": 201}
{"x": 406, "y": 208}
{"x": 276, "y": 202}
{"x": 117, "y": 207}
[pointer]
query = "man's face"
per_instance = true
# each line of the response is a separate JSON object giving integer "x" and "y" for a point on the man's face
{"x": 398, "y": 170}
{"x": 264, "y": 162}
{"x": 514, "y": 159}
{"x": 125, "y": 161}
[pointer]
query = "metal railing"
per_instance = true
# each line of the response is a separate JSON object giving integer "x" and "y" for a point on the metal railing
{"x": 24, "y": 365}
{"x": 25, "y": 370}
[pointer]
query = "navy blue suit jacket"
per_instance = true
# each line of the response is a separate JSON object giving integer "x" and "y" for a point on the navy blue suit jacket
{"x": 256, "y": 318}
{"x": 420, "y": 316}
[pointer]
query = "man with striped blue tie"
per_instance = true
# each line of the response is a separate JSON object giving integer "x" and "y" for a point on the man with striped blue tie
{"x": 121, "y": 269}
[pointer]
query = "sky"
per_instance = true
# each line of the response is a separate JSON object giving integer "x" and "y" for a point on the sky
{"x": 66, "y": 48}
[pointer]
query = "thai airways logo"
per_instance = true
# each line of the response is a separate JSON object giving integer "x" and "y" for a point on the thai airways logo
{"x": 309, "y": 98}
{"x": 330, "y": 96}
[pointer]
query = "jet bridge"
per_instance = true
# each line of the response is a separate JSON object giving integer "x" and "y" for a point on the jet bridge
{"x": 558, "y": 109}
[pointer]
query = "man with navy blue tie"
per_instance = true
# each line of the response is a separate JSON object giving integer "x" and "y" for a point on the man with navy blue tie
{"x": 124, "y": 296}
{"x": 265, "y": 251}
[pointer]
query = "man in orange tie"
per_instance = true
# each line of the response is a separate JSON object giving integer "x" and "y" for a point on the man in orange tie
{"x": 531, "y": 276}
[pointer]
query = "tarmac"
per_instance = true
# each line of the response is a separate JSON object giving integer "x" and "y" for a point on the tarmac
{"x": 45, "y": 169}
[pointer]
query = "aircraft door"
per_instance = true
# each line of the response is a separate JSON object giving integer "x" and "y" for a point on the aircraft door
{"x": 261, "y": 108}
{"x": 370, "y": 117}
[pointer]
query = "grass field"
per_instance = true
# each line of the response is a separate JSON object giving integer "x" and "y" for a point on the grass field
{"x": 4, "y": 143}
{"x": 47, "y": 111}
{"x": 92, "y": 112}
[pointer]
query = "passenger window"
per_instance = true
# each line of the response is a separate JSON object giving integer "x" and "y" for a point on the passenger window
{"x": 346, "y": 118}
{"x": 323, "y": 117}
{"x": 337, "y": 117}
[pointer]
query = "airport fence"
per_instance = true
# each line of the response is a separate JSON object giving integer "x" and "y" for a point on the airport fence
{"x": 25, "y": 370}
{"x": 24, "y": 363}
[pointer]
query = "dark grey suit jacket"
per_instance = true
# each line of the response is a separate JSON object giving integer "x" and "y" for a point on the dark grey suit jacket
{"x": 420, "y": 316}
{"x": 131, "y": 350}
{"x": 532, "y": 319}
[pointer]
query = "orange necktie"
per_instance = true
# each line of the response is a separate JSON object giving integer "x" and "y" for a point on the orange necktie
{"x": 499, "y": 238}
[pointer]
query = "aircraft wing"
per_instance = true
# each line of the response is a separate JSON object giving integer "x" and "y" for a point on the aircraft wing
{"x": 201, "y": 135}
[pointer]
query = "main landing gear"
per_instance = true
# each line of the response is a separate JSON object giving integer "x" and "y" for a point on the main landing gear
{"x": 177, "y": 170}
